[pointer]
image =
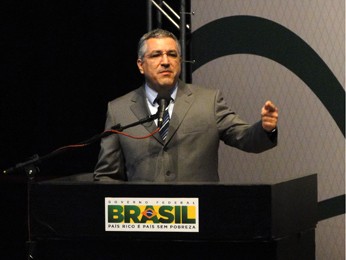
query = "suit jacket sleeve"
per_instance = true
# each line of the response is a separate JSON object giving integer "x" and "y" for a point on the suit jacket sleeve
{"x": 235, "y": 132}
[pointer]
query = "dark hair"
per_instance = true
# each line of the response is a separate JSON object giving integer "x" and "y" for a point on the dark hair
{"x": 156, "y": 33}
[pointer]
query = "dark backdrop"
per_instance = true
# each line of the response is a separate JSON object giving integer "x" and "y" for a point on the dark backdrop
{"x": 62, "y": 61}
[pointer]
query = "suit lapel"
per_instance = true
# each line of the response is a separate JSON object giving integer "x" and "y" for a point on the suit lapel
{"x": 140, "y": 109}
{"x": 184, "y": 100}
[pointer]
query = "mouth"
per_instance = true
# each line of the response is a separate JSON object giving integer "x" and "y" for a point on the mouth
{"x": 165, "y": 72}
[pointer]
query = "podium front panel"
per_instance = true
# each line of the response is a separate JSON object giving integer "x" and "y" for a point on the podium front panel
{"x": 72, "y": 209}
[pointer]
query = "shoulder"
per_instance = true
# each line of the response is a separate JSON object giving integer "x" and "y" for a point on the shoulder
{"x": 130, "y": 96}
{"x": 199, "y": 89}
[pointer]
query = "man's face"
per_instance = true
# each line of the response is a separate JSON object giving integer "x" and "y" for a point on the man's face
{"x": 161, "y": 63}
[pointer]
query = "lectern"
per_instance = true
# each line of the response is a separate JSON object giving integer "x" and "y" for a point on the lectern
{"x": 67, "y": 219}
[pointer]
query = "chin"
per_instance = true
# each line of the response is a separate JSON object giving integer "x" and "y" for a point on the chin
{"x": 167, "y": 82}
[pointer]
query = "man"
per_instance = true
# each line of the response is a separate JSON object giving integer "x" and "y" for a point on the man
{"x": 199, "y": 119}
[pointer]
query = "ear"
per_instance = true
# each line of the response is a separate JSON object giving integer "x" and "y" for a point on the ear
{"x": 139, "y": 65}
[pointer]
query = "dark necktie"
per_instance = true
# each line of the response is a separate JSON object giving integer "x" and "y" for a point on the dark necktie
{"x": 165, "y": 125}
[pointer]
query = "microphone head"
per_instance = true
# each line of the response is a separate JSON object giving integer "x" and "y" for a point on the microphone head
{"x": 163, "y": 94}
{"x": 163, "y": 98}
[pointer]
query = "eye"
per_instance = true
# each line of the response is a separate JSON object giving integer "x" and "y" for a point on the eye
{"x": 172, "y": 54}
{"x": 155, "y": 55}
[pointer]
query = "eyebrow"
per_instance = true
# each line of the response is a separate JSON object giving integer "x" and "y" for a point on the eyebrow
{"x": 172, "y": 50}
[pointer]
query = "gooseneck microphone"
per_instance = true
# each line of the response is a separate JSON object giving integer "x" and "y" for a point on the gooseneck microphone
{"x": 163, "y": 98}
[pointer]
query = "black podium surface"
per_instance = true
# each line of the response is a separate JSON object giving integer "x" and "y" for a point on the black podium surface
{"x": 261, "y": 221}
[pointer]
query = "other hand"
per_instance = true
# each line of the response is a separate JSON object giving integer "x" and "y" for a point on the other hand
{"x": 270, "y": 115}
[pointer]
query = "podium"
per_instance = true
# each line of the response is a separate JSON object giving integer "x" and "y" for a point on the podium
{"x": 259, "y": 221}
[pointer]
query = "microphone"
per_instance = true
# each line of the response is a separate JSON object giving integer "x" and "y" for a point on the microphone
{"x": 163, "y": 98}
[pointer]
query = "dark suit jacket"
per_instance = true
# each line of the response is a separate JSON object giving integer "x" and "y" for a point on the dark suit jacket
{"x": 199, "y": 121}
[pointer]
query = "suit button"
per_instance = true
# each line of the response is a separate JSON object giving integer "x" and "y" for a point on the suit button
{"x": 170, "y": 176}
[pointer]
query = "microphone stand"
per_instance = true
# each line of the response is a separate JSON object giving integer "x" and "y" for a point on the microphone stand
{"x": 31, "y": 168}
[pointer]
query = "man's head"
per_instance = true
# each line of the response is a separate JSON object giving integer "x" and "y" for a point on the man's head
{"x": 159, "y": 59}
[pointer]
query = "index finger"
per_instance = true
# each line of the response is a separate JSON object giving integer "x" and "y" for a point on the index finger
{"x": 270, "y": 106}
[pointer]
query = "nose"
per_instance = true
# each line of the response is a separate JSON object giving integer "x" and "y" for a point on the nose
{"x": 164, "y": 61}
{"x": 164, "y": 58}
